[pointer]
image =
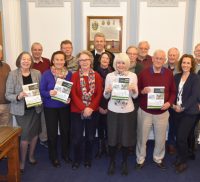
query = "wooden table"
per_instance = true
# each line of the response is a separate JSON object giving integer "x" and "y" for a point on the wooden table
{"x": 9, "y": 147}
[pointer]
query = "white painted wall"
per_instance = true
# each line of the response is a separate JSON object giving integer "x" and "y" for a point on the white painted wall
{"x": 162, "y": 27}
{"x": 12, "y": 31}
{"x": 49, "y": 26}
{"x": 105, "y": 11}
{"x": 197, "y": 24}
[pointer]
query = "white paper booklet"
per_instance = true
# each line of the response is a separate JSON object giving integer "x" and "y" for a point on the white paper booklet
{"x": 156, "y": 97}
{"x": 33, "y": 98}
{"x": 199, "y": 139}
{"x": 63, "y": 89}
{"x": 120, "y": 89}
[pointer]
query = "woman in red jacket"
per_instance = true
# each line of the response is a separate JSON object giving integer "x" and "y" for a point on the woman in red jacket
{"x": 85, "y": 94}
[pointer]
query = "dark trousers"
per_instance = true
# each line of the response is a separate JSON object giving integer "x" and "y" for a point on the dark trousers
{"x": 193, "y": 136}
{"x": 102, "y": 126}
{"x": 184, "y": 124}
{"x": 172, "y": 128}
{"x": 53, "y": 117}
{"x": 78, "y": 127}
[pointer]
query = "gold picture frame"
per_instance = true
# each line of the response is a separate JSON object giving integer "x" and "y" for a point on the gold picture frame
{"x": 110, "y": 26}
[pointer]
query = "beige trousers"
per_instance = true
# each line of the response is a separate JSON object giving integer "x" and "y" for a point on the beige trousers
{"x": 146, "y": 122}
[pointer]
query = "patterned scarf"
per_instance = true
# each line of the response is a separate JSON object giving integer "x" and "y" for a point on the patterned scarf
{"x": 57, "y": 73}
{"x": 87, "y": 96}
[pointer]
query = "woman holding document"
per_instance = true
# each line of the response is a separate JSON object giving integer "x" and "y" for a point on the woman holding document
{"x": 86, "y": 94}
{"x": 54, "y": 89}
{"x": 120, "y": 88}
{"x": 28, "y": 118}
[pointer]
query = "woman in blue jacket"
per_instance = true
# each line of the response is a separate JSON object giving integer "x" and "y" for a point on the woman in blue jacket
{"x": 56, "y": 112}
{"x": 186, "y": 107}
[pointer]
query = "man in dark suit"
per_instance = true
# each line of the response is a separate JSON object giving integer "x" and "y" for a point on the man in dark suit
{"x": 99, "y": 48}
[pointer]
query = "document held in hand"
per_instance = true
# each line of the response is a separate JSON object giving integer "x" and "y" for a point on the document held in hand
{"x": 120, "y": 89}
{"x": 63, "y": 89}
{"x": 33, "y": 97}
{"x": 156, "y": 97}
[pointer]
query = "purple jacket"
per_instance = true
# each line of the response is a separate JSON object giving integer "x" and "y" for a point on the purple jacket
{"x": 47, "y": 83}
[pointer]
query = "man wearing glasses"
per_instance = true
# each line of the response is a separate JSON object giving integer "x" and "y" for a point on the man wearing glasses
{"x": 156, "y": 115}
{"x": 71, "y": 62}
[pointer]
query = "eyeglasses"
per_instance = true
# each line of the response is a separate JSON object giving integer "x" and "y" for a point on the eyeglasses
{"x": 132, "y": 54}
{"x": 144, "y": 49}
{"x": 159, "y": 59}
{"x": 83, "y": 60}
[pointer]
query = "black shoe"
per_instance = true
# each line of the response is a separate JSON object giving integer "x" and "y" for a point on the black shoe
{"x": 21, "y": 171}
{"x": 139, "y": 166}
{"x": 87, "y": 164}
{"x": 181, "y": 168}
{"x": 161, "y": 165}
{"x": 75, "y": 165}
{"x": 111, "y": 168}
{"x": 56, "y": 163}
{"x": 67, "y": 160}
{"x": 124, "y": 169}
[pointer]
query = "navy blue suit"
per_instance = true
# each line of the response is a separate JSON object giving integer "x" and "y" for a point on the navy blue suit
{"x": 184, "y": 121}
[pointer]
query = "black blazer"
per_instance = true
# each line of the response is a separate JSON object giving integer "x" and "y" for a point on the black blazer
{"x": 96, "y": 62}
{"x": 191, "y": 90}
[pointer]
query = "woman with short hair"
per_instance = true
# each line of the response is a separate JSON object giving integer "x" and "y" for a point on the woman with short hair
{"x": 86, "y": 94}
{"x": 120, "y": 120}
{"x": 27, "y": 118}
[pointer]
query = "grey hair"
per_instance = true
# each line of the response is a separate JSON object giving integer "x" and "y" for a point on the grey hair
{"x": 144, "y": 42}
{"x": 88, "y": 53}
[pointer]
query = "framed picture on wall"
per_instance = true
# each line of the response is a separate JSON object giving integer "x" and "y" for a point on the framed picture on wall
{"x": 110, "y": 26}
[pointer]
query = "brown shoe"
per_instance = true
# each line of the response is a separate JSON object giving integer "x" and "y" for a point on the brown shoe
{"x": 181, "y": 168}
{"x": 161, "y": 165}
{"x": 171, "y": 149}
{"x": 176, "y": 163}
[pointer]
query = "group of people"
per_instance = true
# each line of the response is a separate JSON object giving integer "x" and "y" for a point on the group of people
{"x": 110, "y": 94}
